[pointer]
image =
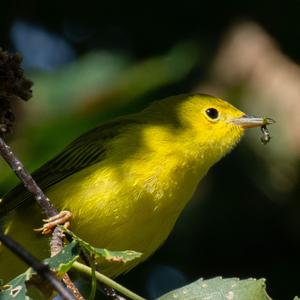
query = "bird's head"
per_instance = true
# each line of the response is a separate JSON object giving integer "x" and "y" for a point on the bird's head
{"x": 217, "y": 125}
{"x": 203, "y": 127}
{"x": 213, "y": 125}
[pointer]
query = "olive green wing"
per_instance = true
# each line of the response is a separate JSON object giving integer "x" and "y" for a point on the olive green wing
{"x": 88, "y": 149}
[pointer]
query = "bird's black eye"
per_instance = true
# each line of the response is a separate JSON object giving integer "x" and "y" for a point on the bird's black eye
{"x": 212, "y": 113}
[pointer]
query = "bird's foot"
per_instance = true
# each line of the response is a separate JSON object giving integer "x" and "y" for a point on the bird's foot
{"x": 63, "y": 218}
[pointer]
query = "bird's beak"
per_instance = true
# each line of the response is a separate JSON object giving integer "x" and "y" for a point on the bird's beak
{"x": 250, "y": 121}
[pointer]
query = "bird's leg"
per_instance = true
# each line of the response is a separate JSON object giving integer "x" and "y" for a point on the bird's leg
{"x": 63, "y": 218}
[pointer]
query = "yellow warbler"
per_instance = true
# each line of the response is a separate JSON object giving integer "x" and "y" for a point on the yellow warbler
{"x": 126, "y": 181}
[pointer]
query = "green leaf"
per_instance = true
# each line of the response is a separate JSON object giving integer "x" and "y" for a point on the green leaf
{"x": 16, "y": 288}
{"x": 112, "y": 256}
{"x": 63, "y": 261}
{"x": 221, "y": 289}
{"x": 115, "y": 256}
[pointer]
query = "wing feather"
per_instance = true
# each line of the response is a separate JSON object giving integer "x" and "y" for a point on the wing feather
{"x": 88, "y": 149}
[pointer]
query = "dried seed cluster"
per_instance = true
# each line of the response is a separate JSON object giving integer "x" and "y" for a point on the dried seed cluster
{"x": 13, "y": 85}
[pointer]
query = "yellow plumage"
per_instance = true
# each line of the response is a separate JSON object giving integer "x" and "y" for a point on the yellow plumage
{"x": 127, "y": 181}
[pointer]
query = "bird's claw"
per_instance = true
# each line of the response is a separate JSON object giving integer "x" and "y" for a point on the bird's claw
{"x": 63, "y": 218}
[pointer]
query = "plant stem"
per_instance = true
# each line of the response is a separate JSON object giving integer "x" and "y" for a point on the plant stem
{"x": 107, "y": 281}
{"x": 94, "y": 279}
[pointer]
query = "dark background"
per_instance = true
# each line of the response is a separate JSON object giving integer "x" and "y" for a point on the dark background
{"x": 244, "y": 219}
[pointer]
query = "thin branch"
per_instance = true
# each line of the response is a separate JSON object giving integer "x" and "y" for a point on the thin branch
{"x": 56, "y": 243}
{"x": 41, "y": 268}
{"x": 69, "y": 283}
{"x": 106, "y": 280}
{"x": 44, "y": 202}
